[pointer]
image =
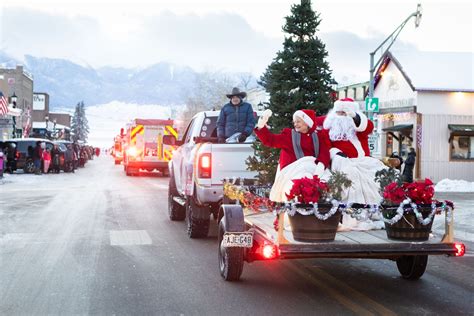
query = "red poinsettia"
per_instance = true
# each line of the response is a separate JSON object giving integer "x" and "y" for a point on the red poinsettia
{"x": 307, "y": 190}
{"x": 421, "y": 192}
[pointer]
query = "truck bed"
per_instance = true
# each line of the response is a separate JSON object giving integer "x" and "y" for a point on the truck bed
{"x": 351, "y": 244}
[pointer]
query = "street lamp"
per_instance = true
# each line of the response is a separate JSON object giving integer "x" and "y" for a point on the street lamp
{"x": 14, "y": 98}
{"x": 390, "y": 40}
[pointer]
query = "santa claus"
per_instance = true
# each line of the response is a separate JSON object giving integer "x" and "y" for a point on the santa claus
{"x": 349, "y": 131}
{"x": 304, "y": 151}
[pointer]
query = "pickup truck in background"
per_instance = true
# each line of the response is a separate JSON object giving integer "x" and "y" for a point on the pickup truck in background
{"x": 197, "y": 170}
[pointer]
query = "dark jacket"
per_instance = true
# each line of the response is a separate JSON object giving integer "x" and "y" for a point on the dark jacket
{"x": 235, "y": 118}
{"x": 409, "y": 165}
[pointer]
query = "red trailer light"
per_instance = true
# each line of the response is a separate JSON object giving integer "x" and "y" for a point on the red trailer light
{"x": 205, "y": 166}
{"x": 460, "y": 249}
{"x": 270, "y": 251}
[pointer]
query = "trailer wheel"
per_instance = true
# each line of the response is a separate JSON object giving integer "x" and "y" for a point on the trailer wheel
{"x": 231, "y": 260}
{"x": 176, "y": 212}
{"x": 196, "y": 227}
{"x": 412, "y": 267}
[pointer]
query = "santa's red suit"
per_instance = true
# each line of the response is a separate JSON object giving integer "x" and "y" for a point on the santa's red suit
{"x": 290, "y": 166}
{"x": 349, "y": 131}
{"x": 359, "y": 145}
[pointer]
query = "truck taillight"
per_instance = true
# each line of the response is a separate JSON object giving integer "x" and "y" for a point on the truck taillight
{"x": 205, "y": 166}
{"x": 460, "y": 249}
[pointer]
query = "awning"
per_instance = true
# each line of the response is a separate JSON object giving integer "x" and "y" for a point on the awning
{"x": 399, "y": 128}
{"x": 461, "y": 129}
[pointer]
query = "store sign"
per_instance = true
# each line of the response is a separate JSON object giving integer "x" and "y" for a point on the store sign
{"x": 372, "y": 104}
{"x": 39, "y": 101}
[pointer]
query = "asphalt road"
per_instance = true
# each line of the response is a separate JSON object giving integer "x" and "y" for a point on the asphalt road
{"x": 98, "y": 242}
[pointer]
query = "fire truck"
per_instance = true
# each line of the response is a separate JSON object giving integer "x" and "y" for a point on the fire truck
{"x": 118, "y": 152}
{"x": 143, "y": 146}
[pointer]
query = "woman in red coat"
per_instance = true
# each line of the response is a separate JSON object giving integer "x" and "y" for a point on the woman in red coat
{"x": 304, "y": 150}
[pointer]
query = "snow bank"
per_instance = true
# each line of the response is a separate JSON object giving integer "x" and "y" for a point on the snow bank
{"x": 447, "y": 185}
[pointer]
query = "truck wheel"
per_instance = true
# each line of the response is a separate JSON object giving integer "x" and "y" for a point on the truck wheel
{"x": 231, "y": 260}
{"x": 412, "y": 267}
{"x": 197, "y": 227}
{"x": 176, "y": 212}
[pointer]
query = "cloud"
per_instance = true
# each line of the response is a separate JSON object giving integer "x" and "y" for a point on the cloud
{"x": 222, "y": 41}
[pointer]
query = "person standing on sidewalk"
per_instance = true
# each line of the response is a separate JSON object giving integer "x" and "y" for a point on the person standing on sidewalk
{"x": 46, "y": 160}
{"x": 37, "y": 155}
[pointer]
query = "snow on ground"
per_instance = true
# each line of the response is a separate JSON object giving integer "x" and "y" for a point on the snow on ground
{"x": 105, "y": 120}
{"x": 447, "y": 185}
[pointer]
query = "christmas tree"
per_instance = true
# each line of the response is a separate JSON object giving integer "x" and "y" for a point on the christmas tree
{"x": 79, "y": 124}
{"x": 298, "y": 78}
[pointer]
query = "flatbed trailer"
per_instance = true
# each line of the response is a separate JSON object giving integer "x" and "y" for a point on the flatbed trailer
{"x": 268, "y": 242}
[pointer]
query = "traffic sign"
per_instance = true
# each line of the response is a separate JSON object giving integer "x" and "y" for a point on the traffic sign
{"x": 372, "y": 104}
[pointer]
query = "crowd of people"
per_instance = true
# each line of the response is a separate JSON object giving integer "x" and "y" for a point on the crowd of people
{"x": 64, "y": 156}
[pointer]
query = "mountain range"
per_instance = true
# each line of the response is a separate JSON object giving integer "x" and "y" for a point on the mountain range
{"x": 67, "y": 82}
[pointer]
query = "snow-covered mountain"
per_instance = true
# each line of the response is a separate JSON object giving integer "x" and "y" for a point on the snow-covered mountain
{"x": 68, "y": 83}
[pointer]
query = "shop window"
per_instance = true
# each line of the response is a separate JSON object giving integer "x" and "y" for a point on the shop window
{"x": 462, "y": 147}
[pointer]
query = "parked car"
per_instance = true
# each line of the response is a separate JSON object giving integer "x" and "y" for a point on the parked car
{"x": 25, "y": 147}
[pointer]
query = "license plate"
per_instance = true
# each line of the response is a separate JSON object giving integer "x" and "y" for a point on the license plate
{"x": 244, "y": 239}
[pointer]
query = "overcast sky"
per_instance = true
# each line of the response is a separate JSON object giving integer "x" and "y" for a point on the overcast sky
{"x": 222, "y": 35}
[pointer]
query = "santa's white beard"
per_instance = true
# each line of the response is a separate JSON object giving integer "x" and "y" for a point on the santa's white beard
{"x": 340, "y": 127}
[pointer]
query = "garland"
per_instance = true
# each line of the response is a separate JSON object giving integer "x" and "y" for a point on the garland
{"x": 313, "y": 209}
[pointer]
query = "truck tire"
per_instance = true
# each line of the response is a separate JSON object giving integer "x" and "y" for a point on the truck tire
{"x": 231, "y": 260}
{"x": 412, "y": 267}
{"x": 196, "y": 227}
{"x": 176, "y": 212}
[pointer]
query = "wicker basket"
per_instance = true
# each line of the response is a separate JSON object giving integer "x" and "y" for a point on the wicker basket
{"x": 408, "y": 227}
{"x": 309, "y": 228}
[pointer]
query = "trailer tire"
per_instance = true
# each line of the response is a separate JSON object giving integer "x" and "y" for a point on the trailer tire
{"x": 197, "y": 227}
{"x": 176, "y": 212}
{"x": 412, "y": 267}
{"x": 231, "y": 260}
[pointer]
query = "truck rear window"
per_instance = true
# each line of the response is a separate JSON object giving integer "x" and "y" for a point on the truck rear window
{"x": 209, "y": 127}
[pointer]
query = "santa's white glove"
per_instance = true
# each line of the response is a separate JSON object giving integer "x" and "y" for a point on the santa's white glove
{"x": 262, "y": 121}
{"x": 349, "y": 111}
{"x": 337, "y": 163}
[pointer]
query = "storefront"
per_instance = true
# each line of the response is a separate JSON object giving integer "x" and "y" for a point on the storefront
{"x": 427, "y": 106}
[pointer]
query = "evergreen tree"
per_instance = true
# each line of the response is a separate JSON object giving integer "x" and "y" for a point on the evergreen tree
{"x": 298, "y": 78}
{"x": 79, "y": 124}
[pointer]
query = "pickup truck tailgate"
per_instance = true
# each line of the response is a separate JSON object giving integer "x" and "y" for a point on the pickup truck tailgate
{"x": 228, "y": 161}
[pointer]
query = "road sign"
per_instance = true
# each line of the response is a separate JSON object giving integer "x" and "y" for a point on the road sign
{"x": 372, "y": 104}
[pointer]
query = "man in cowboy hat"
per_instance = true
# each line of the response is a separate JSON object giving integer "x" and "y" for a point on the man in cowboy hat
{"x": 235, "y": 117}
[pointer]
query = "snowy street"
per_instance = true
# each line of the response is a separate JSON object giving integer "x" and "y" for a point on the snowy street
{"x": 98, "y": 242}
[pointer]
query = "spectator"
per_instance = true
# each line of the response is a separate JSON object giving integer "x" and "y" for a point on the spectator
{"x": 11, "y": 157}
{"x": 37, "y": 154}
{"x": 46, "y": 160}
{"x": 409, "y": 165}
{"x": 55, "y": 157}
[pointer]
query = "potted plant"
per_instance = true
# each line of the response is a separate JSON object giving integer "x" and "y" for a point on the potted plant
{"x": 408, "y": 209}
{"x": 313, "y": 207}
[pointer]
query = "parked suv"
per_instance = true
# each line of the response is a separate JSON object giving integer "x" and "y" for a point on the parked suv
{"x": 25, "y": 147}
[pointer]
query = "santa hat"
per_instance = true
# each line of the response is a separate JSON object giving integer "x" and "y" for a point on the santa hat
{"x": 346, "y": 103}
{"x": 308, "y": 116}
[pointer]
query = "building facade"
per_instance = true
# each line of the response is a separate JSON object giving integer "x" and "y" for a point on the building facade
{"x": 20, "y": 84}
{"x": 426, "y": 102}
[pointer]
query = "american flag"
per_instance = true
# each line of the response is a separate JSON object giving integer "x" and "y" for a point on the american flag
{"x": 3, "y": 105}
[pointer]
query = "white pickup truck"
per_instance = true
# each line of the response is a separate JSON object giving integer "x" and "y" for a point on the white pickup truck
{"x": 197, "y": 170}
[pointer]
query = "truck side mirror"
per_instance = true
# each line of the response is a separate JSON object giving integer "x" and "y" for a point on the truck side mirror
{"x": 169, "y": 140}
{"x": 121, "y": 132}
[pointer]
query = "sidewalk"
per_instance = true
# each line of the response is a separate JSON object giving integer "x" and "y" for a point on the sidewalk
{"x": 463, "y": 215}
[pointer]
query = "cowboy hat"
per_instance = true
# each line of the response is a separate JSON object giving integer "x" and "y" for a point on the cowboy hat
{"x": 237, "y": 92}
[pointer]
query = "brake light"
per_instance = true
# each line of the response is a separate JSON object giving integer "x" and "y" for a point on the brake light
{"x": 205, "y": 165}
{"x": 18, "y": 155}
{"x": 270, "y": 251}
{"x": 460, "y": 249}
